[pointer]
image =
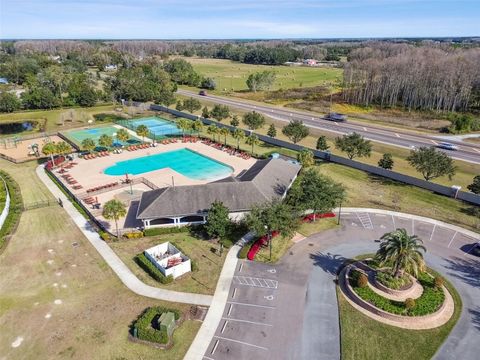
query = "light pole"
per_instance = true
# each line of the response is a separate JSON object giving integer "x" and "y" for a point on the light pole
{"x": 339, "y": 213}
{"x": 269, "y": 241}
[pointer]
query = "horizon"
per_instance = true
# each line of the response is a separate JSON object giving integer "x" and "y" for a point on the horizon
{"x": 268, "y": 19}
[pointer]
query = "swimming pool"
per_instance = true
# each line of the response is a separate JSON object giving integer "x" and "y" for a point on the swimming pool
{"x": 157, "y": 126}
{"x": 184, "y": 161}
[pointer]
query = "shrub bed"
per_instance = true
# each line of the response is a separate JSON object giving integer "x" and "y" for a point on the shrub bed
{"x": 16, "y": 208}
{"x": 429, "y": 302}
{"x": 151, "y": 269}
{"x": 143, "y": 327}
{"x": 242, "y": 254}
{"x": 391, "y": 282}
{"x": 166, "y": 230}
{"x": 133, "y": 235}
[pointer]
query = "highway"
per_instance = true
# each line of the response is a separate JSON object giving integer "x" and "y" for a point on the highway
{"x": 469, "y": 153}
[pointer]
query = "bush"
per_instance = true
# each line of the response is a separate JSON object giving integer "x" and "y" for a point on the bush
{"x": 438, "y": 281}
{"x": 409, "y": 304}
{"x": 133, "y": 235}
{"x": 242, "y": 254}
{"x": 362, "y": 280}
{"x": 152, "y": 270}
{"x": 107, "y": 117}
{"x": 166, "y": 230}
{"x": 392, "y": 282}
{"x": 104, "y": 235}
{"x": 16, "y": 208}
{"x": 145, "y": 330}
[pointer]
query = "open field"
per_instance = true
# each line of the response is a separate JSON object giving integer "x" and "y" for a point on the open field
{"x": 202, "y": 281}
{"x": 72, "y": 117}
{"x": 365, "y": 338}
{"x": 59, "y": 299}
{"x": 230, "y": 75}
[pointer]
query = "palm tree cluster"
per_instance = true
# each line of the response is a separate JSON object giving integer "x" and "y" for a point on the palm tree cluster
{"x": 52, "y": 148}
{"x": 402, "y": 252}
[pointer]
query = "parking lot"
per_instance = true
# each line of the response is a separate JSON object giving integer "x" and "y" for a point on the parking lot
{"x": 288, "y": 310}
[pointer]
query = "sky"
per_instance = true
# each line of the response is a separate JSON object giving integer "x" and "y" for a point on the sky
{"x": 237, "y": 19}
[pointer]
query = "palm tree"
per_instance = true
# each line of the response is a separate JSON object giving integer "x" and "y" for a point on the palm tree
{"x": 402, "y": 251}
{"x": 123, "y": 135}
{"x": 197, "y": 126}
{"x": 50, "y": 149}
{"x": 63, "y": 148}
{"x": 212, "y": 130}
{"x": 88, "y": 144}
{"x": 238, "y": 134}
{"x": 252, "y": 140}
{"x": 225, "y": 132}
{"x": 184, "y": 125}
{"x": 114, "y": 210}
{"x": 106, "y": 141}
{"x": 142, "y": 131}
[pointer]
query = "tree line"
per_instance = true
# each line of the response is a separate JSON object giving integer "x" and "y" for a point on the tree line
{"x": 427, "y": 77}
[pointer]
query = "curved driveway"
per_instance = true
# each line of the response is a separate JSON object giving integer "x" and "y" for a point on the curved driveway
{"x": 298, "y": 317}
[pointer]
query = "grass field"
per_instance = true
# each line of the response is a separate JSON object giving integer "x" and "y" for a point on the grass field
{"x": 231, "y": 76}
{"x": 202, "y": 281}
{"x": 363, "y": 338}
{"x": 73, "y": 117}
{"x": 90, "y": 320}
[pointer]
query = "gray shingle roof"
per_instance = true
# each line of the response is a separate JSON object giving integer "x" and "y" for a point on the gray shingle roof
{"x": 264, "y": 181}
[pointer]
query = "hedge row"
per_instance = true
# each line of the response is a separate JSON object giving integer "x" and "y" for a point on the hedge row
{"x": 16, "y": 208}
{"x": 145, "y": 330}
{"x": 429, "y": 302}
{"x": 166, "y": 230}
{"x": 151, "y": 269}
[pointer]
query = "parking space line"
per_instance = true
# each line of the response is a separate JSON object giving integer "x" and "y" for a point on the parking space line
{"x": 215, "y": 347}
{"x": 230, "y": 309}
{"x": 234, "y": 292}
{"x": 208, "y": 358}
{"x": 241, "y": 267}
{"x": 473, "y": 246}
{"x": 254, "y": 305}
{"x": 224, "y": 326}
{"x": 256, "y": 282}
{"x": 413, "y": 226}
{"x": 246, "y": 321}
{"x": 242, "y": 342}
{"x": 433, "y": 230}
{"x": 453, "y": 237}
{"x": 394, "y": 226}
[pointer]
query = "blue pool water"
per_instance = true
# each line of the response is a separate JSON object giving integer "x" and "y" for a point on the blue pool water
{"x": 184, "y": 161}
{"x": 157, "y": 126}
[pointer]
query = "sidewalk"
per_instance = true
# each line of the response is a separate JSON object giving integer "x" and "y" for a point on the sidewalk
{"x": 115, "y": 263}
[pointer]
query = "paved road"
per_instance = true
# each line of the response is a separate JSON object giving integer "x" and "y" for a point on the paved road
{"x": 469, "y": 153}
{"x": 289, "y": 310}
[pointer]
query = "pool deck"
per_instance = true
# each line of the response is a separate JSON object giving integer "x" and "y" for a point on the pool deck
{"x": 89, "y": 173}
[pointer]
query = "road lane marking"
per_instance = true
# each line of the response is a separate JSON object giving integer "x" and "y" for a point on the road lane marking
{"x": 247, "y": 321}
{"x": 242, "y": 342}
{"x": 252, "y": 305}
{"x": 215, "y": 347}
{"x": 224, "y": 325}
{"x": 453, "y": 237}
{"x": 433, "y": 230}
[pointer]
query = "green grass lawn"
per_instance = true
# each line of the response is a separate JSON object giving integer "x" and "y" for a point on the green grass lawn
{"x": 363, "y": 338}
{"x": 310, "y": 228}
{"x": 233, "y": 75}
{"x": 73, "y": 117}
{"x": 202, "y": 281}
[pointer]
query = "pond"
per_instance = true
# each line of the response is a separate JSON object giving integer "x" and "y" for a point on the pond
{"x": 18, "y": 127}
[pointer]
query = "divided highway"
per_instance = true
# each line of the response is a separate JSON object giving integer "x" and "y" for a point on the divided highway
{"x": 469, "y": 153}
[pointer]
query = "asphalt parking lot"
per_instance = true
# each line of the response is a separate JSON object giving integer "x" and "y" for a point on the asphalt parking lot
{"x": 288, "y": 310}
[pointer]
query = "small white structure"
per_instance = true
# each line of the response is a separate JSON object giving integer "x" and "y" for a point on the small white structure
{"x": 111, "y": 67}
{"x": 169, "y": 260}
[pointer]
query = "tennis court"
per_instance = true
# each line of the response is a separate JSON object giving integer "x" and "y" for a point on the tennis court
{"x": 77, "y": 136}
{"x": 158, "y": 127}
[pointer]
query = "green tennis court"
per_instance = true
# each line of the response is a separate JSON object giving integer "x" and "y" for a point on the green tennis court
{"x": 77, "y": 136}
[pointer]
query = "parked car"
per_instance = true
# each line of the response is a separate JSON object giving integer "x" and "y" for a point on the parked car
{"x": 447, "y": 146}
{"x": 202, "y": 93}
{"x": 337, "y": 117}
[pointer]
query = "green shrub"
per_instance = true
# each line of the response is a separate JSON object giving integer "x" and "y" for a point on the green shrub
{"x": 429, "y": 302}
{"x": 133, "y": 235}
{"x": 166, "y": 230}
{"x": 409, "y": 304}
{"x": 104, "y": 235}
{"x": 16, "y": 208}
{"x": 107, "y": 117}
{"x": 151, "y": 269}
{"x": 145, "y": 330}
{"x": 242, "y": 254}
{"x": 392, "y": 282}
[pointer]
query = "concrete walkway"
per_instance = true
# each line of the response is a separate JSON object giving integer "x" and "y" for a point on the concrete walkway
{"x": 115, "y": 263}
